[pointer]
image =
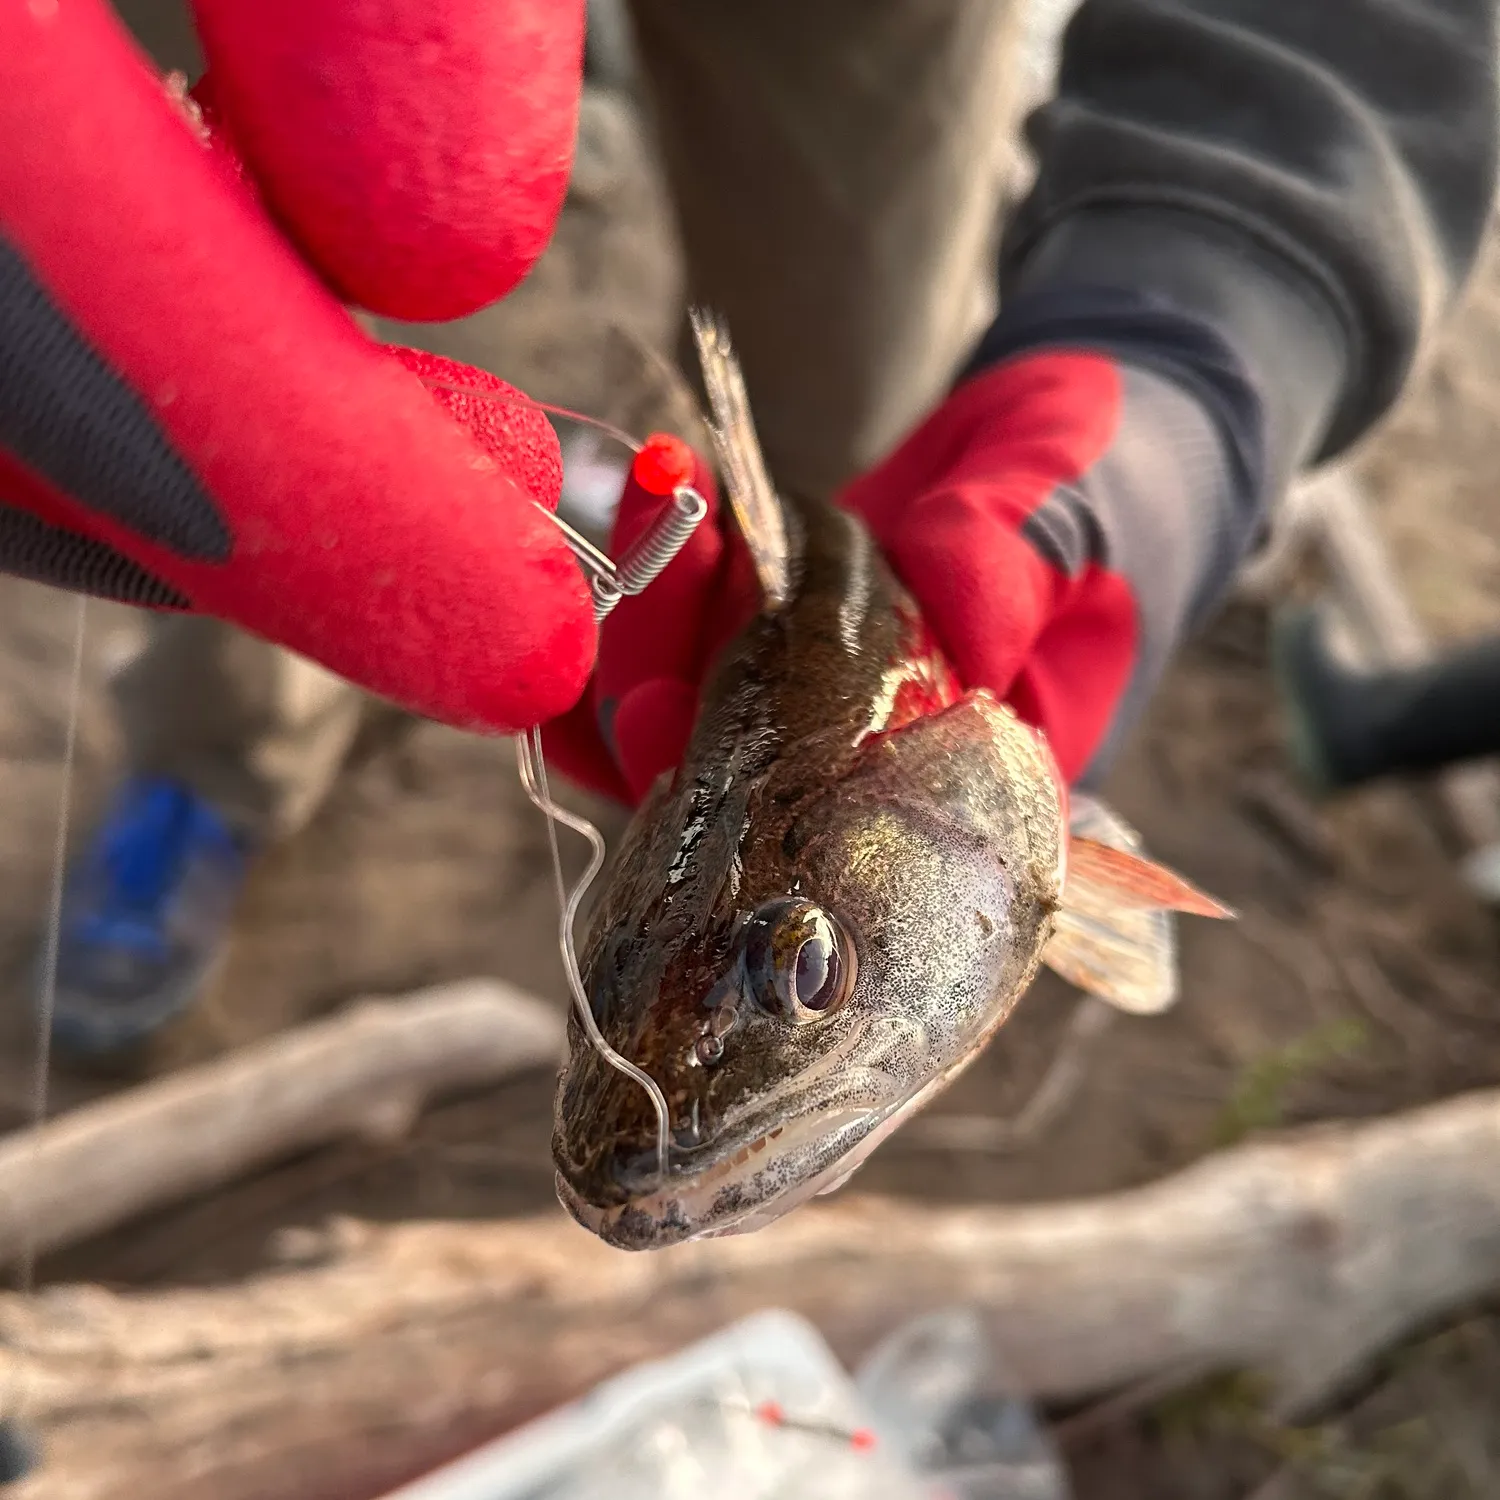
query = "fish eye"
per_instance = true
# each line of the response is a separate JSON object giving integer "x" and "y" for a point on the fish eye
{"x": 799, "y": 961}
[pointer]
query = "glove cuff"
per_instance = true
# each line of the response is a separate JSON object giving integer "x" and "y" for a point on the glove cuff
{"x": 1257, "y": 342}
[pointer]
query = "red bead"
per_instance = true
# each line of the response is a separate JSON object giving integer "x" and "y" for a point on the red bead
{"x": 862, "y": 1439}
{"x": 664, "y": 464}
{"x": 771, "y": 1413}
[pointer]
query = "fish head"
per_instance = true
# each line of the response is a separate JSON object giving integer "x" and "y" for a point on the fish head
{"x": 817, "y": 976}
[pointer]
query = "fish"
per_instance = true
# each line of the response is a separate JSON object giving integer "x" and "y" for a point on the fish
{"x": 827, "y": 911}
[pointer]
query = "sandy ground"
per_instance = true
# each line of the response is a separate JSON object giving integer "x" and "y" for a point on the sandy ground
{"x": 1360, "y": 980}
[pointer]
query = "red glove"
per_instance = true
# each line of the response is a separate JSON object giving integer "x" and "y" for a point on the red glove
{"x": 657, "y": 646}
{"x": 960, "y": 509}
{"x": 188, "y": 415}
{"x": 954, "y": 509}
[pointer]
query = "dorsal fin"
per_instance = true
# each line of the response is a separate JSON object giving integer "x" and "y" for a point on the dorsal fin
{"x": 757, "y": 508}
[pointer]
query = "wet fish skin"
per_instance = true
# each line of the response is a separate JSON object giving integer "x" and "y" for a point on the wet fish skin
{"x": 834, "y": 760}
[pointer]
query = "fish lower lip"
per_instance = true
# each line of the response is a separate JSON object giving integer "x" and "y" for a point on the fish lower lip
{"x": 589, "y": 1216}
{"x": 703, "y": 1206}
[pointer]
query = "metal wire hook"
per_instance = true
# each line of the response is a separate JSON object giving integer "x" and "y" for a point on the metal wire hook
{"x": 609, "y": 581}
{"x": 533, "y": 769}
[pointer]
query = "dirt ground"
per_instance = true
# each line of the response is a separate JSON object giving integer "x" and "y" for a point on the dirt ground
{"x": 1360, "y": 980}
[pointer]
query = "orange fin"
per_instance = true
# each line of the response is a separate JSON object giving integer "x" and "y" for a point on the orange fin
{"x": 1135, "y": 882}
{"x": 1115, "y": 936}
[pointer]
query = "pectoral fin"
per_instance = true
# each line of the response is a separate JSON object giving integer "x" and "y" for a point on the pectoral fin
{"x": 1131, "y": 880}
{"x": 1115, "y": 936}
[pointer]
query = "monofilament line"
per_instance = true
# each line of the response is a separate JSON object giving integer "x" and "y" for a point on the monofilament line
{"x": 47, "y": 999}
{"x": 533, "y": 768}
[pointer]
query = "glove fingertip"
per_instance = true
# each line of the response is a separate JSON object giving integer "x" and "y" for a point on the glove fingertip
{"x": 505, "y": 423}
{"x": 418, "y": 151}
{"x": 518, "y": 638}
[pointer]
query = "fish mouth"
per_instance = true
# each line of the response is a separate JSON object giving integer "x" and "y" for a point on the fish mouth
{"x": 750, "y": 1187}
{"x": 804, "y": 1138}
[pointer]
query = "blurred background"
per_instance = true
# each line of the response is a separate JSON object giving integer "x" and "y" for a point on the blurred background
{"x": 1360, "y": 981}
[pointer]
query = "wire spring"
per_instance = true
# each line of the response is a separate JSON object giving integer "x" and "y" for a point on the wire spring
{"x": 644, "y": 562}
{"x": 606, "y": 593}
{"x": 653, "y": 550}
{"x": 645, "y": 559}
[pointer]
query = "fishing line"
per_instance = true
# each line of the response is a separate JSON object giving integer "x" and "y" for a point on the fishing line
{"x": 533, "y": 769}
{"x": 522, "y": 401}
{"x": 42, "y": 1058}
{"x": 609, "y": 581}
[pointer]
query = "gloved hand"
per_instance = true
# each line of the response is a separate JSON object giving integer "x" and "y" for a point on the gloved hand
{"x": 656, "y": 647}
{"x": 974, "y": 512}
{"x": 190, "y": 417}
{"x": 1047, "y": 519}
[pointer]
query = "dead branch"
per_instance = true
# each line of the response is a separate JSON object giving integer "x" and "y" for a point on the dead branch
{"x": 367, "y": 1071}
{"x": 389, "y": 1349}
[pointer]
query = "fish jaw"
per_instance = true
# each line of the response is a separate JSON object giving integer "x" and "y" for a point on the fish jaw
{"x": 797, "y": 1133}
{"x": 760, "y": 1183}
{"x": 769, "y": 1173}
{"x": 804, "y": 1154}
{"x": 941, "y": 853}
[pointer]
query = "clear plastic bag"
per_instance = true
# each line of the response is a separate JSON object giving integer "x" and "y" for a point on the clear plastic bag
{"x": 729, "y": 1449}
{"x": 939, "y": 1392}
{"x": 761, "y": 1411}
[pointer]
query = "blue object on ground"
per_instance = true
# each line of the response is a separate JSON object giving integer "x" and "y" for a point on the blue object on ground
{"x": 146, "y": 910}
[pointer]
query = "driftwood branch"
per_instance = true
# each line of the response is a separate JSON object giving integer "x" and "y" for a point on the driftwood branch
{"x": 366, "y": 1071}
{"x": 385, "y": 1351}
